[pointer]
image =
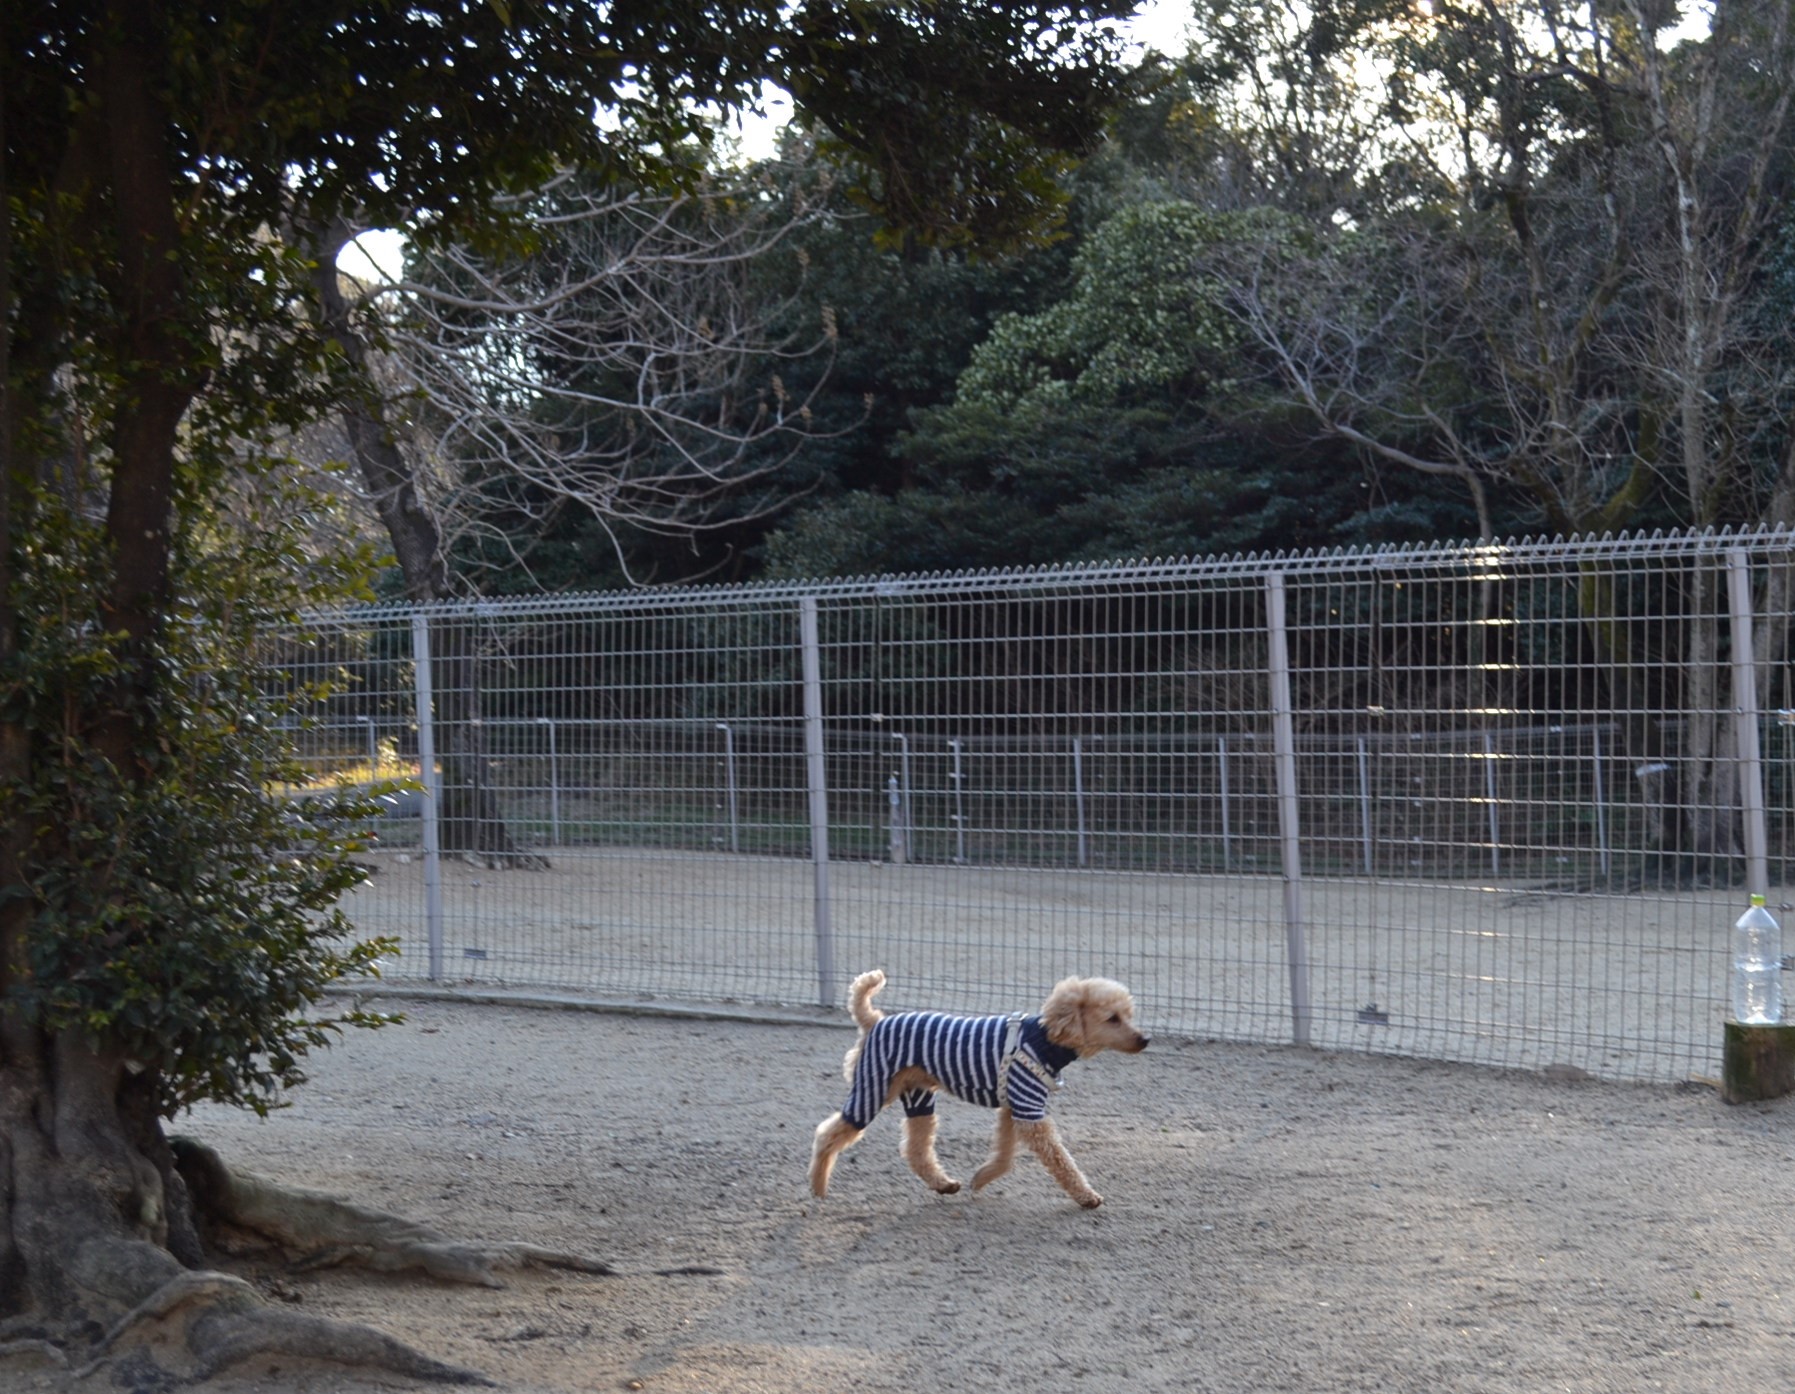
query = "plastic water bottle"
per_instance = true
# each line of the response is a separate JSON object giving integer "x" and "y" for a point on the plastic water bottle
{"x": 1757, "y": 966}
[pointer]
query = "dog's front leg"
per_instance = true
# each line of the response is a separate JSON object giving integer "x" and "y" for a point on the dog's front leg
{"x": 1044, "y": 1140}
{"x": 919, "y": 1151}
{"x": 1003, "y": 1151}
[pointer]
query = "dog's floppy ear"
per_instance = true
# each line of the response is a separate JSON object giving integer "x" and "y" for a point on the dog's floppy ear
{"x": 1063, "y": 1014}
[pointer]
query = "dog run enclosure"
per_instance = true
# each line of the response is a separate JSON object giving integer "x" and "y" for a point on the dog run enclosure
{"x": 1489, "y": 803}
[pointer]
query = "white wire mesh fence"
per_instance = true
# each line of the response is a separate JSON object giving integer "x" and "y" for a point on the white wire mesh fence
{"x": 1497, "y": 803}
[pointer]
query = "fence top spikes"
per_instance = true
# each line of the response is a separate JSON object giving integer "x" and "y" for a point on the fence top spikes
{"x": 1240, "y": 569}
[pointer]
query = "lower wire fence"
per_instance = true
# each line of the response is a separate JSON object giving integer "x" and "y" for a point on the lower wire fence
{"x": 1496, "y": 804}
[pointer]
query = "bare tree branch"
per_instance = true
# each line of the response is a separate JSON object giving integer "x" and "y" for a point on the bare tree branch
{"x": 628, "y": 364}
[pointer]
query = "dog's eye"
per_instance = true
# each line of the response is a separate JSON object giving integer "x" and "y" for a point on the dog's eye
{"x": 1114, "y": 1017}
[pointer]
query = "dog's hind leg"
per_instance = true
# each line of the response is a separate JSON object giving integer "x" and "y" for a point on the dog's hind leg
{"x": 1043, "y": 1140}
{"x": 834, "y": 1135}
{"x": 919, "y": 1151}
{"x": 1003, "y": 1152}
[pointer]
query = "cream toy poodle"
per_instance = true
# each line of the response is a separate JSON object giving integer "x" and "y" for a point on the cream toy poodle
{"x": 1009, "y": 1063}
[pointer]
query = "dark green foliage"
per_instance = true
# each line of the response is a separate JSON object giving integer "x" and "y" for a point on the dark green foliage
{"x": 167, "y": 899}
{"x": 1121, "y": 413}
{"x": 909, "y": 91}
{"x": 183, "y": 909}
{"x": 1104, "y": 484}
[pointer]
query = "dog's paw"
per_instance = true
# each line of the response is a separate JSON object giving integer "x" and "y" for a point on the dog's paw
{"x": 948, "y": 1187}
{"x": 1090, "y": 1200}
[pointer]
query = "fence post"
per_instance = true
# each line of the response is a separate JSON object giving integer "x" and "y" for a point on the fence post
{"x": 1745, "y": 721}
{"x": 815, "y": 778}
{"x": 1283, "y": 729}
{"x": 432, "y": 827}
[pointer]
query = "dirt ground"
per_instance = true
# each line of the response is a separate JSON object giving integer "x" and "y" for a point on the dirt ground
{"x": 1274, "y": 1219}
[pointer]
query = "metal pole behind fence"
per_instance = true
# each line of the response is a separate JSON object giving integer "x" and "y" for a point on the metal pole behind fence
{"x": 1606, "y": 860}
{"x": 909, "y": 800}
{"x": 1745, "y": 717}
{"x": 959, "y": 804}
{"x": 895, "y": 834}
{"x": 731, "y": 790}
{"x": 1489, "y": 794}
{"x": 905, "y": 819}
{"x": 432, "y": 828}
{"x": 1283, "y": 728}
{"x": 816, "y": 779}
{"x": 1365, "y": 803}
{"x": 554, "y": 782}
{"x": 1084, "y": 843}
{"x": 1221, "y": 758}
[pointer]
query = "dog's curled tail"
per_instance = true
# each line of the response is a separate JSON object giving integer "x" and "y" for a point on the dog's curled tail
{"x": 860, "y": 1003}
{"x": 860, "y": 998}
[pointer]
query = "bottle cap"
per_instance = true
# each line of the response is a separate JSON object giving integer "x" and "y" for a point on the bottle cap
{"x": 1757, "y": 900}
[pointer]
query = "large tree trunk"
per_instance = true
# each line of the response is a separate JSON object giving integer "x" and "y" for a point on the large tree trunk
{"x": 99, "y": 1232}
{"x": 97, "y": 1219}
{"x": 471, "y": 825}
{"x": 90, "y": 1224}
{"x": 102, "y": 1256}
{"x": 15, "y": 752}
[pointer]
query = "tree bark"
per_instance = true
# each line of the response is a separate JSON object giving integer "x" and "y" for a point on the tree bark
{"x": 162, "y": 375}
{"x": 90, "y": 1216}
{"x": 471, "y": 825}
{"x": 99, "y": 1232}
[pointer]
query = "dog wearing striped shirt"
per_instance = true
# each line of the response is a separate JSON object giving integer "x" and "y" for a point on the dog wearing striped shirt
{"x": 1009, "y": 1063}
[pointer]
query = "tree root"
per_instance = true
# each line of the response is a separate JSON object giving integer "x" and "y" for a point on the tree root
{"x": 317, "y": 1230}
{"x": 232, "y": 1326}
{"x": 225, "y": 1338}
{"x": 170, "y": 1324}
{"x": 179, "y": 1291}
{"x": 507, "y": 859}
{"x": 49, "y": 1350}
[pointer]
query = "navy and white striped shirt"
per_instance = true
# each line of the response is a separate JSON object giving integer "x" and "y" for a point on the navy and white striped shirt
{"x": 963, "y": 1052}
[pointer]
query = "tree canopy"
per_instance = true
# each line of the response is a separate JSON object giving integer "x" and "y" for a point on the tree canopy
{"x": 169, "y": 171}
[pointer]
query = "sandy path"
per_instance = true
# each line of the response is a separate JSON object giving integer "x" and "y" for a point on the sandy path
{"x": 1275, "y": 1219}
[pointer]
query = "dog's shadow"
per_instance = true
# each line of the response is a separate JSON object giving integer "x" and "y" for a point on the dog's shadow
{"x": 822, "y": 1267}
{"x": 1014, "y": 1218}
